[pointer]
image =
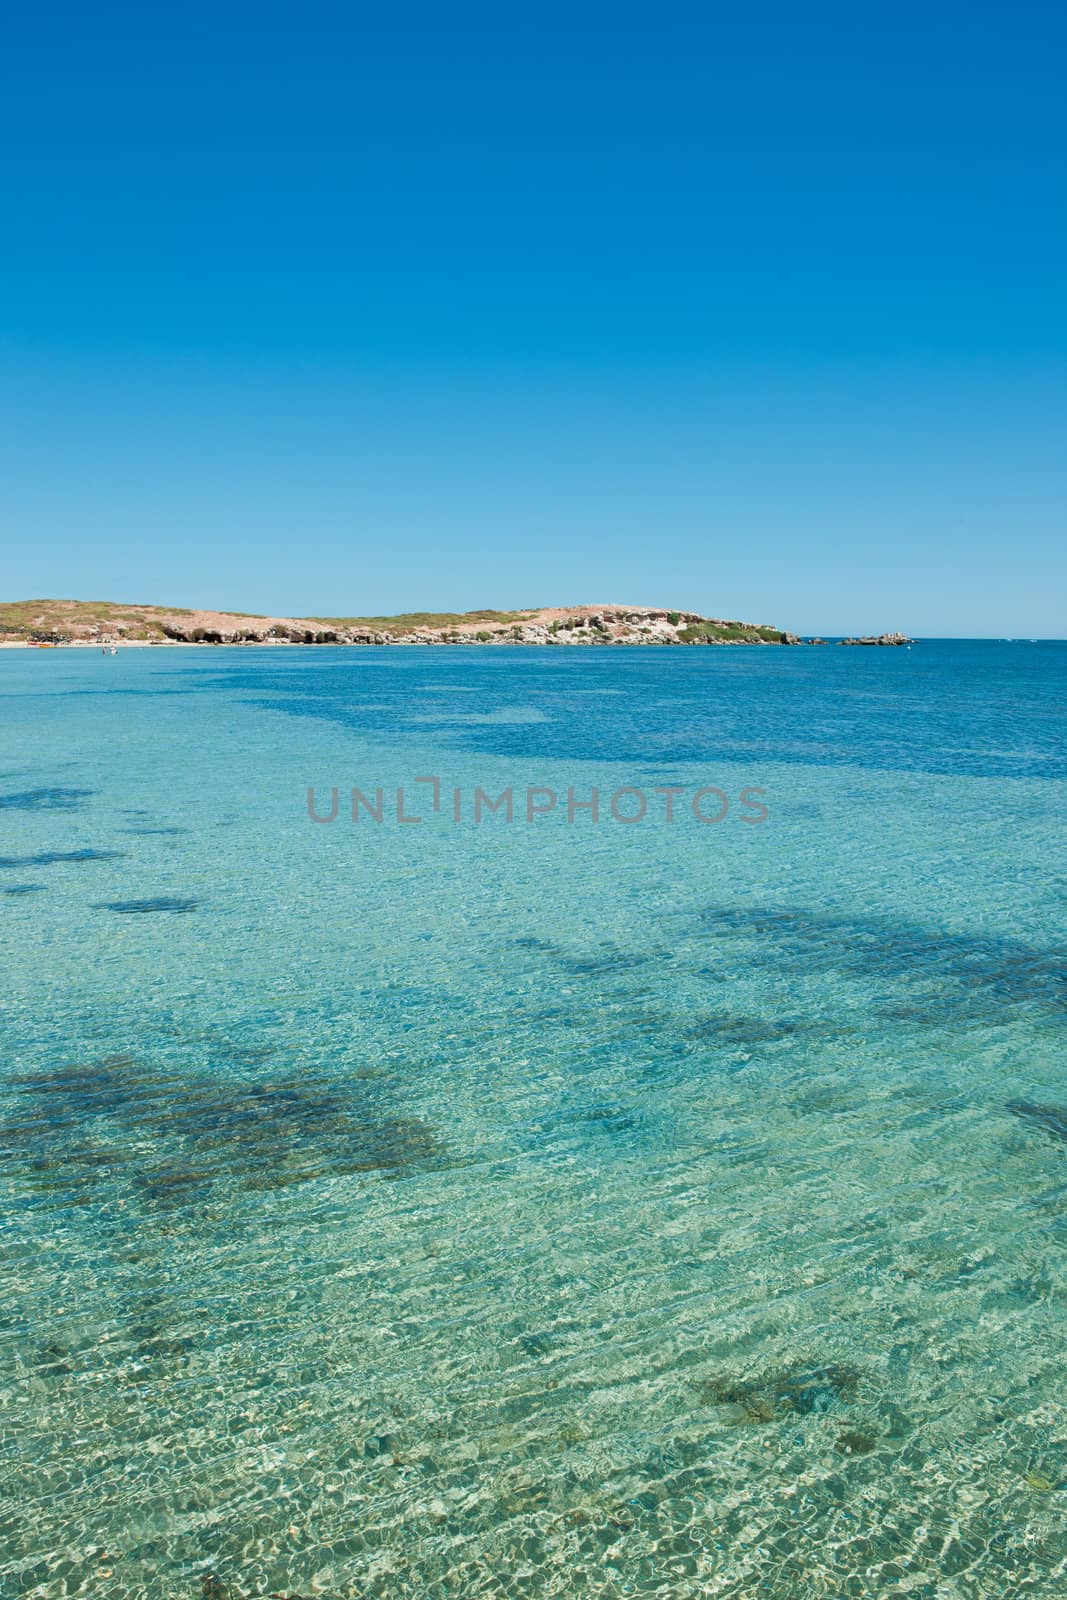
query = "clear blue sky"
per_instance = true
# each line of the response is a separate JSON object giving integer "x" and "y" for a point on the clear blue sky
{"x": 341, "y": 308}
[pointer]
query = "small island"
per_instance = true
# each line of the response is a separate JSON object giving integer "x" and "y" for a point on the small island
{"x": 881, "y": 638}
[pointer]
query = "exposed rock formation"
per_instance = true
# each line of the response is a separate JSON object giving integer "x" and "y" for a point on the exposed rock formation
{"x": 882, "y": 638}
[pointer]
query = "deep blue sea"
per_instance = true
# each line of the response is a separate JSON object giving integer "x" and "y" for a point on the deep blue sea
{"x": 558, "y": 1206}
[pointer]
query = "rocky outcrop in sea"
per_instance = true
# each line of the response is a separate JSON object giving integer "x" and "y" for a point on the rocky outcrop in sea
{"x": 881, "y": 638}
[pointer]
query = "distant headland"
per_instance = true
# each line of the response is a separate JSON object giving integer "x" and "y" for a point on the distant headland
{"x": 102, "y": 622}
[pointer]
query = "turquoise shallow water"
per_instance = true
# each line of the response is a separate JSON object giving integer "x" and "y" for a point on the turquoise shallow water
{"x": 529, "y": 1209}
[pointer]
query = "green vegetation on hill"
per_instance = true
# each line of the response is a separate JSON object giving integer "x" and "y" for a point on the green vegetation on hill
{"x": 61, "y": 618}
{"x": 735, "y": 632}
{"x": 27, "y": 617}
{"x": 408, "y": 621}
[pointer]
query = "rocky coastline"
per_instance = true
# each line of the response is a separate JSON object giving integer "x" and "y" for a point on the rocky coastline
{"x": 102, "y": 624}
{"x": 881, "y": 638}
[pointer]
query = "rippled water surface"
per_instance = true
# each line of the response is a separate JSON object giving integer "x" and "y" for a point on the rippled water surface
{"x": 537, "y": 1208}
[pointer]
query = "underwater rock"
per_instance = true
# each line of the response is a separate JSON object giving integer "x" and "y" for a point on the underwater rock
{"x": 176, "y": 903}
{"x": 45, "y": 800}
{"x": 49, "y": 858}
{"x": 81, "y": 1083}
{"x": 854, "y": 1444}
{"x": 536, "y": 1345}
{"x": 596, "y": 966}
{"x": 608, "y": 1119}
{"x": 213, "y": 1588}
{"x": 144, "y": 832}
{"x": 51, "y": 1360}
{"x": 804, "y": 1392}
{"x": 1049, "y": 1119}
{"x": 385, "y": 1444}
{"x": 248, "y": 1054}
{"x": 173, "y": 1138}
{"x": 742, "y": 1029}
{"x": 173, "y": 1185}
{"x": 994, "y": 969}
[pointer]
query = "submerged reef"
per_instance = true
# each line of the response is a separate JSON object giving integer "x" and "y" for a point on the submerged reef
{"x": 51, "y": 858}
{"x": 79, "y": 1133}
{"x": 1049, "y": 1119}
{"x": 45, "y": 800}
{"x": 212, "y": 1587}
{"x": 801, "y": 941}
{"x": 178, "y": 903}
{"x": 805, "y": 1391}
{"x": 146, "y": 832}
